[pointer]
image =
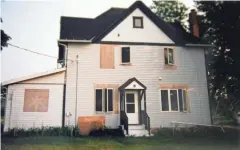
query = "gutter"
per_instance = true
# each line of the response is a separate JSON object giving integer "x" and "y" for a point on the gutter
{"x": 75, "y": 41}
{"x": 64, "y": 85}
{"x": 207, "y": 79}
{"x": 200, "y": 45}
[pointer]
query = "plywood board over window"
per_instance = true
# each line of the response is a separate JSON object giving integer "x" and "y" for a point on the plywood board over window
{"x": 36, "y": 100}
{"x": 107, "y": 56}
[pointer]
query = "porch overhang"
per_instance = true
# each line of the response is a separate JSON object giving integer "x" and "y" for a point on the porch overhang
{"x": 132, "y": 84}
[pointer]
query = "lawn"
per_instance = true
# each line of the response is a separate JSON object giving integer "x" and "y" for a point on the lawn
{"x": 129, "y": 143}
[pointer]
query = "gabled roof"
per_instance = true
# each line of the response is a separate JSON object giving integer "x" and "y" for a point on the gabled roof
{"x": 129, "y": 81}
{"x": 95, "y": 29}
{"x": 86, "y": 28}
{"x": 37, "y": 75}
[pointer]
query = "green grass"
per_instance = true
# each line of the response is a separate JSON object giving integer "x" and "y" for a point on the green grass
{"x": 130, "y": 143}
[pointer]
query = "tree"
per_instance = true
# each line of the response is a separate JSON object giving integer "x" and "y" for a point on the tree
{"x": 222, "y": 19}
{"x": 170, "y": 11}
{"x": 4, "y": 38}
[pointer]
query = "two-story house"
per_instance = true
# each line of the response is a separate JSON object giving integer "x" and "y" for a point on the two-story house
{"x": 129, "y": 67}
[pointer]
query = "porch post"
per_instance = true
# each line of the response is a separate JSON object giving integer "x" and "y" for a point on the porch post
{"x": 145, "y": 107}
{"x": 123, "y": 99}
{"x": 120, "y": 101}
{"x": 139, "y": 107}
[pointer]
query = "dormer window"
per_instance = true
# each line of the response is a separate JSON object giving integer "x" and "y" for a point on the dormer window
{"x": 137, "y": 22}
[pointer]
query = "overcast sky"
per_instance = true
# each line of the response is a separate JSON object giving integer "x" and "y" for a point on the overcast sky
{"x": 35, "y": 25}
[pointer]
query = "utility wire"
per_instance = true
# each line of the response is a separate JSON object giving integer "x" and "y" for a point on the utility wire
{"x": 37, "y": 52}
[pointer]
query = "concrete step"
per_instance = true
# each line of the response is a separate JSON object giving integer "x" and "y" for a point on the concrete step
{"x": 134, "y": 127}
{"x": 138, "y": 132}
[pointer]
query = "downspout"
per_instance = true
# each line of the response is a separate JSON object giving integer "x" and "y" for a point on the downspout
{"x": 76, "y": 103}
{"x": 64, "y": 85}
{"x": 209, "y": 97}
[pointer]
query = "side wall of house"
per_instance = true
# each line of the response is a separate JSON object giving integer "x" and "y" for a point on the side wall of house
{"x": 14, "y": 113}
{"x": 147, "y": 65}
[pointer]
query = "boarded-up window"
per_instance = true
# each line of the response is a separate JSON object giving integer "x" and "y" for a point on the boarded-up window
{"x": 107, "y": 56}
{"x": 36, "y": 100}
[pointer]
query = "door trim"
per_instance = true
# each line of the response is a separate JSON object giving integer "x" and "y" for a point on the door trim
{"x": 136, "y": 103}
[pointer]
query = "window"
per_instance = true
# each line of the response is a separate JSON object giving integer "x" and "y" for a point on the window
{"x": 137, "y": 22}
{"x": 104, "y": 100}
{"x": 174, "y": 100}
{"x": 125, "y": 54}
{"x": 183, "y": 100}
{"x": 168, "y": 56}
{"x": 130, "y": 105}
{"x": 164, "y": 98}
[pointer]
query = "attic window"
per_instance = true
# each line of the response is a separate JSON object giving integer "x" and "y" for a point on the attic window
{"x": 137, "y": 22}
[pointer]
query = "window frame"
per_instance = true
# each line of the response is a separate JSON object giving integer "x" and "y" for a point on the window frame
{"x": 112, "y": 99}
{"x": 184, "y": 102}
{"x": 130, "y": 102}
{"x": 141, "y": 19}
{"x": 103, "y": 100}
{"x": 96, "y": 99}
{"x": 168, "y": 49}
{"x": 129, "y": 55}
{"x": 169, "y": 101}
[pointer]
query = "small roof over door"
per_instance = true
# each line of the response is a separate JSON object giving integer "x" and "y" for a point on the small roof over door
{"x": 132, "y": 84}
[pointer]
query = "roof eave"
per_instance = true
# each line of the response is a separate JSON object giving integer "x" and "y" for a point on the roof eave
{"x": 37, "y": 75}
{"x": 199, "y": 45}
{"x": 75, "y": 41}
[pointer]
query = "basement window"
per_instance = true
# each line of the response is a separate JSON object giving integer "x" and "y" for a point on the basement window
{"x": 137, "y": 22}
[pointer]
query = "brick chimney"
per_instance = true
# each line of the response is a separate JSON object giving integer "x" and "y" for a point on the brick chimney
{"x": 194, "y": 23}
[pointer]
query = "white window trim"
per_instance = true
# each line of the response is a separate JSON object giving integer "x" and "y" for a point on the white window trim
{"x": 168, "y": 48}
{"x": 129, "y": 55}
{"x": 103, "y": 100}
{"x": 185, "y": 99}
{"x": 169, "y": 101}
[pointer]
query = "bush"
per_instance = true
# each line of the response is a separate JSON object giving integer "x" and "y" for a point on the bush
{"x": 106, "y": 132}
{"x": 199, "y": 131}
{"x": 44, "y": 131}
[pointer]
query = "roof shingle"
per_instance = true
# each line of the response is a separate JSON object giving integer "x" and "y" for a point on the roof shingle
{"x": 95, "y": 29}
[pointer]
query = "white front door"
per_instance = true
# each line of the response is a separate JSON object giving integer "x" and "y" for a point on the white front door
{"x": 131, "y": 107}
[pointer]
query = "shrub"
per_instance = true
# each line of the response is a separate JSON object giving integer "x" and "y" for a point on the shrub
{"x": 44, "y": 131}
{"x": 198, "y": 131}
{"x": 106, "y": 132}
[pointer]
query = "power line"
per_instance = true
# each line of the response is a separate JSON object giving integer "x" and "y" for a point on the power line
{"x": 36, "y": 52}
{"x": 32, "y": 51}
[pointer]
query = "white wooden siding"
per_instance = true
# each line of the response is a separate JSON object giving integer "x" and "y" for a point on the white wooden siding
{"x": 20, "y": 119}
{"x": 125, "y": 32}
{"x": 54, "y": 78}
{"x": 147, "y": 66}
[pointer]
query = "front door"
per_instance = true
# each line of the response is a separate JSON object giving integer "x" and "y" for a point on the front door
{"x": 131, "y": 107}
